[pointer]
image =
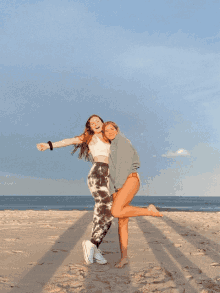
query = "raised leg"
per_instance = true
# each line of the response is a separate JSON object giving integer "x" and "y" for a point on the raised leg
{"x": 120, "y": 207}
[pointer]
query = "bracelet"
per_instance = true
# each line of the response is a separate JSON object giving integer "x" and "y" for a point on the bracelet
{"x": 50, "y": 144}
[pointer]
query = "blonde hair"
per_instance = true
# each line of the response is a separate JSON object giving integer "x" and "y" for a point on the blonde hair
{"x": 106, "y": 124}
{"x": 110, "y": 122}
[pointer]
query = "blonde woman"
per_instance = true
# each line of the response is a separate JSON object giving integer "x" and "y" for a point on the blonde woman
{"x": 124, "y": 184}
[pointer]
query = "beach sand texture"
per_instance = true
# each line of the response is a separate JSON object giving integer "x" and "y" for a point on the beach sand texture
{"x": 41, "y": 251}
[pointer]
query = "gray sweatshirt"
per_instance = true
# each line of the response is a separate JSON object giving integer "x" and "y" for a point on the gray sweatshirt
{"x": 123, "y": 160}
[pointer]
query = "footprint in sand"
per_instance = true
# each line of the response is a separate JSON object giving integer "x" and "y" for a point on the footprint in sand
{"x": 57, "y": 250}
{"x": 72, "y": 276}
{"x": 199, "y": 252}
{"x": 48, "y": 226}
{"x": 215, "y": 264}
{"x": 153, "y": 279}
{"x": 11, "y": 239}
{"x": 53, "y": 237}
{"x": 192, "y": 270}
{"x": 4, "y": 280}
{"x": 32, "y": 263}
{"x": 13, "y": 251}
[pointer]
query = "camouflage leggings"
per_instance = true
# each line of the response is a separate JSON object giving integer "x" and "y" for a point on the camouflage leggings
{"x": 98, "y": 182}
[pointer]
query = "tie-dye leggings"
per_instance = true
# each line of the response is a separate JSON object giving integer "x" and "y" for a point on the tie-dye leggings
{"x": 98, "y": 182}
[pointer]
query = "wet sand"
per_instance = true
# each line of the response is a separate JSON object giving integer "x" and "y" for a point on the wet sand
{"x": 41, "y": 251}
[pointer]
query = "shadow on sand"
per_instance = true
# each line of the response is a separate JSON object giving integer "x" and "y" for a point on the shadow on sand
{"x": 39, "y": 275}
{"x": 165, "y": 252}
{"x": 53, "y": 274}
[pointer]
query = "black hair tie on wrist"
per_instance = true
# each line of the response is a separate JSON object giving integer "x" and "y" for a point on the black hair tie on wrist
{"x": 50, "y": 144}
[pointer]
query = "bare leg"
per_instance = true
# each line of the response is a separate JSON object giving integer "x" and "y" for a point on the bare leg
{"x": 122, "y": 199}
{"x": 121, "y": 209}
{"x": 123, "y": 238}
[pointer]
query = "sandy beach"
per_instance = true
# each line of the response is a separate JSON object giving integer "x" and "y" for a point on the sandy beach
{"x": 41, "y": 251}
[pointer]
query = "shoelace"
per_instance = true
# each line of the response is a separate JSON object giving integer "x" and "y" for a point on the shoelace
{"x": 99, "y": 251}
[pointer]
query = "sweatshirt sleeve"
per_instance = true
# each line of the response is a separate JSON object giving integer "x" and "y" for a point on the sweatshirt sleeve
{"x": 136, "y": 162}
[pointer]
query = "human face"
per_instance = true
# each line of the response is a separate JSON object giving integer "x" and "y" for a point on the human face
{"x": 96, "y": 124}
{"x": 110, "y": 132}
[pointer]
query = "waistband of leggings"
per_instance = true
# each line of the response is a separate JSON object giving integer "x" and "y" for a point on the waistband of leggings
{"x": 101, "y": 164}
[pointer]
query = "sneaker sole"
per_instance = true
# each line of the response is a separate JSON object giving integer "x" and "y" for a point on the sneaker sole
{"x": 101, "y": 263}
{"x": 85, "y": 253}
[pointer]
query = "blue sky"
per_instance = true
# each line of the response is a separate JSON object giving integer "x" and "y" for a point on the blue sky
{"x": 153, "y": 67}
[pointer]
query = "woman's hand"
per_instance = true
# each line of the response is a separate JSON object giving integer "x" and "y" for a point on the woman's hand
{"x": 43, "y": 146}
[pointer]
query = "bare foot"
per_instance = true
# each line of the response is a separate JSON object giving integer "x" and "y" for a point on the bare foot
{"x": 122, "y": 262}
{"x": 152, "y": 208}
{"x": 155, "y": 211}
{"x": 158, "y": 214}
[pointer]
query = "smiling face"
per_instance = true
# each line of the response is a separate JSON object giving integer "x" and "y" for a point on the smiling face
{"x": 96, "y": 124}
{"x": 110, "y": 132}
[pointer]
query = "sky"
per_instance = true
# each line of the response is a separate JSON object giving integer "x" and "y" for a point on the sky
{"x": 153, "y": 67}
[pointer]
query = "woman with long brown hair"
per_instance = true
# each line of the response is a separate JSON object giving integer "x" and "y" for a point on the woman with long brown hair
{"x": 93, "y": 147}
{"x": 125, "y": 183}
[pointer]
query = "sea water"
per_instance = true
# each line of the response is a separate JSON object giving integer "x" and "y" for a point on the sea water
{"x": 66, "y": 203}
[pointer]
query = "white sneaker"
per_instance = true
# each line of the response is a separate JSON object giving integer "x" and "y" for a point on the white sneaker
{"x": 88, "y": 251}
{"x": 98, "y": 257}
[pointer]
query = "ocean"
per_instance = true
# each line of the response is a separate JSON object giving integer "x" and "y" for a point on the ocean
{"x": 66, "y": 203}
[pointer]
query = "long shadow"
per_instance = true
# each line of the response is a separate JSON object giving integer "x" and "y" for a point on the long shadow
{"x": 159, "y": 247}
{"x": 39, "y": 275}
{"x": 198, "y": 240}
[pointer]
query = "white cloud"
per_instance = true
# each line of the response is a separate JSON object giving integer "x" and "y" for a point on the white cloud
{"x": 201, "y": 177}
{"x": 178, "y": 153}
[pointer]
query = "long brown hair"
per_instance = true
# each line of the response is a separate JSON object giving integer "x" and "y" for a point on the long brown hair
{"x": 86, "y": 138}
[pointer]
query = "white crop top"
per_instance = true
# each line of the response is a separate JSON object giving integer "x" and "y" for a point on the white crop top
{"x": 98, "y": 147}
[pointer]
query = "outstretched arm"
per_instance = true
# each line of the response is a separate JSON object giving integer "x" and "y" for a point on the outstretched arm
{"x": 60, "y": 144}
